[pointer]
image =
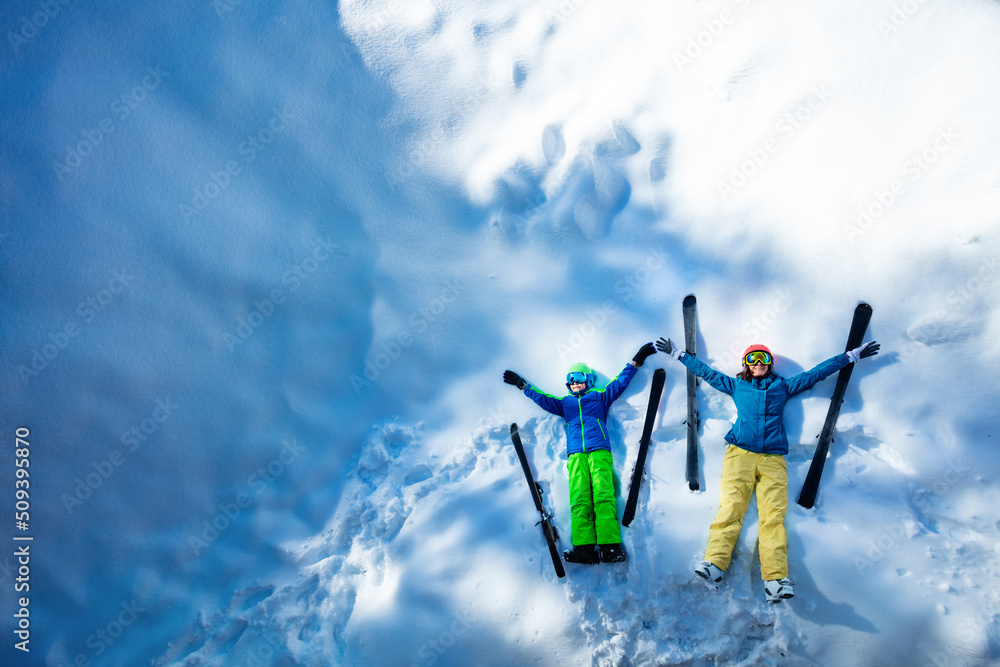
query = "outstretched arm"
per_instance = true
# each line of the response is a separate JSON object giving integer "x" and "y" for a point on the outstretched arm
{"x": 803, "y": 381}
{"x": 545, "y": 401}
{"x": 808, "y": 379}
{"x": 644, "y": 352}
{"x": 618, "y": 385}
{"x": 720, "y": 381}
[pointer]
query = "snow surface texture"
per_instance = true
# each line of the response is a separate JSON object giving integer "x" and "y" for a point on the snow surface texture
{"x": 265, "y": 263}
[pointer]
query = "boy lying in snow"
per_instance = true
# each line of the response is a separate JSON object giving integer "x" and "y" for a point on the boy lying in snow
{"x": 595, "y": 533}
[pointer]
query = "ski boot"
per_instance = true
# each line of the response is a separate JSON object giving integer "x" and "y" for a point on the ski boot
{"x": 582, "y": 553}
{"x": 778, "y": 590}
{"x": 709, "y": 572}
{"x": 612, "y": 553}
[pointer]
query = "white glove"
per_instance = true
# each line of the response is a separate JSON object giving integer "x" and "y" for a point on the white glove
{"x": 867, "y": 350}
{"x": 667, "y": 345}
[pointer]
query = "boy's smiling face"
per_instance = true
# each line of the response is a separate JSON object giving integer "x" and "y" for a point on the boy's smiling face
{"x": 577, "y": 387}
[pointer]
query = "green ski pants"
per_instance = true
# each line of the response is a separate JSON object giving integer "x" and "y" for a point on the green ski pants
{"x": 592, "y": 498}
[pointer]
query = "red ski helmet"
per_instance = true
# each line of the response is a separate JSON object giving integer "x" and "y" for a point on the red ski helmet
{"x": 757, "y": 348}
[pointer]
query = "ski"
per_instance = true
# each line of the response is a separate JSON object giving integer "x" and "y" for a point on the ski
{"x": 807, "y": 497}
{"x": 548, "y": 530}
{"x": 655, "y": 391}
{"x": 690, "y": 310}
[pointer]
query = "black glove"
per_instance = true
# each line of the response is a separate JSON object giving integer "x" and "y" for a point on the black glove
{"x": 643, "y": 352}
{"x": 510, "y": 377}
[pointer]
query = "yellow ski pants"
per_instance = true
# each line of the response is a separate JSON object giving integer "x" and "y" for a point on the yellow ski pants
{"x": 741, "y": 472}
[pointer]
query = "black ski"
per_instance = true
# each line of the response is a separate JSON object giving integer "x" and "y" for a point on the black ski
{"x": 655, "y": 391}
{"x": 807, "y": 497}
{"x": 690, "y": 310}
{"x": 548, "y": 530}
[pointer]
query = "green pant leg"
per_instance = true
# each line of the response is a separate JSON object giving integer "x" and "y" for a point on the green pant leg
{"x": 580, "y": 499}
{"x": 602, "y": 481}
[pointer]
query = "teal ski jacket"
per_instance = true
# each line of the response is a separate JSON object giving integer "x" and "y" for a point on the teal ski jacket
{"x": 585, "y": 413}
{"x": 759, "y": 425}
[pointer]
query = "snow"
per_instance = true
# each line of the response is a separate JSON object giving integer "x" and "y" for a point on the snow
{"x": 263, "y": 266}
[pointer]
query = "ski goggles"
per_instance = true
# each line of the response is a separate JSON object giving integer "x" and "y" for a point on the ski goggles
{"x": 576, "y": 377}
{"x": 757, "y": 357}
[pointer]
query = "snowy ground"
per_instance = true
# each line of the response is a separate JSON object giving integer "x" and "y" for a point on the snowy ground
{"x": 264, "y": 265}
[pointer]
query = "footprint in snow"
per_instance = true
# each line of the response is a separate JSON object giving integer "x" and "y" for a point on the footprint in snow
{"x": 553, "y": 144}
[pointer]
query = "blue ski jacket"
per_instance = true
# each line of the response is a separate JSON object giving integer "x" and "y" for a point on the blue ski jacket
{"x": 585, "y": 413}
{"x": 759, "y": 425}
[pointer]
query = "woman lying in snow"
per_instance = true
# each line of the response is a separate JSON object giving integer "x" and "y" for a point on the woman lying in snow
{"x": 755, "y": 457}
